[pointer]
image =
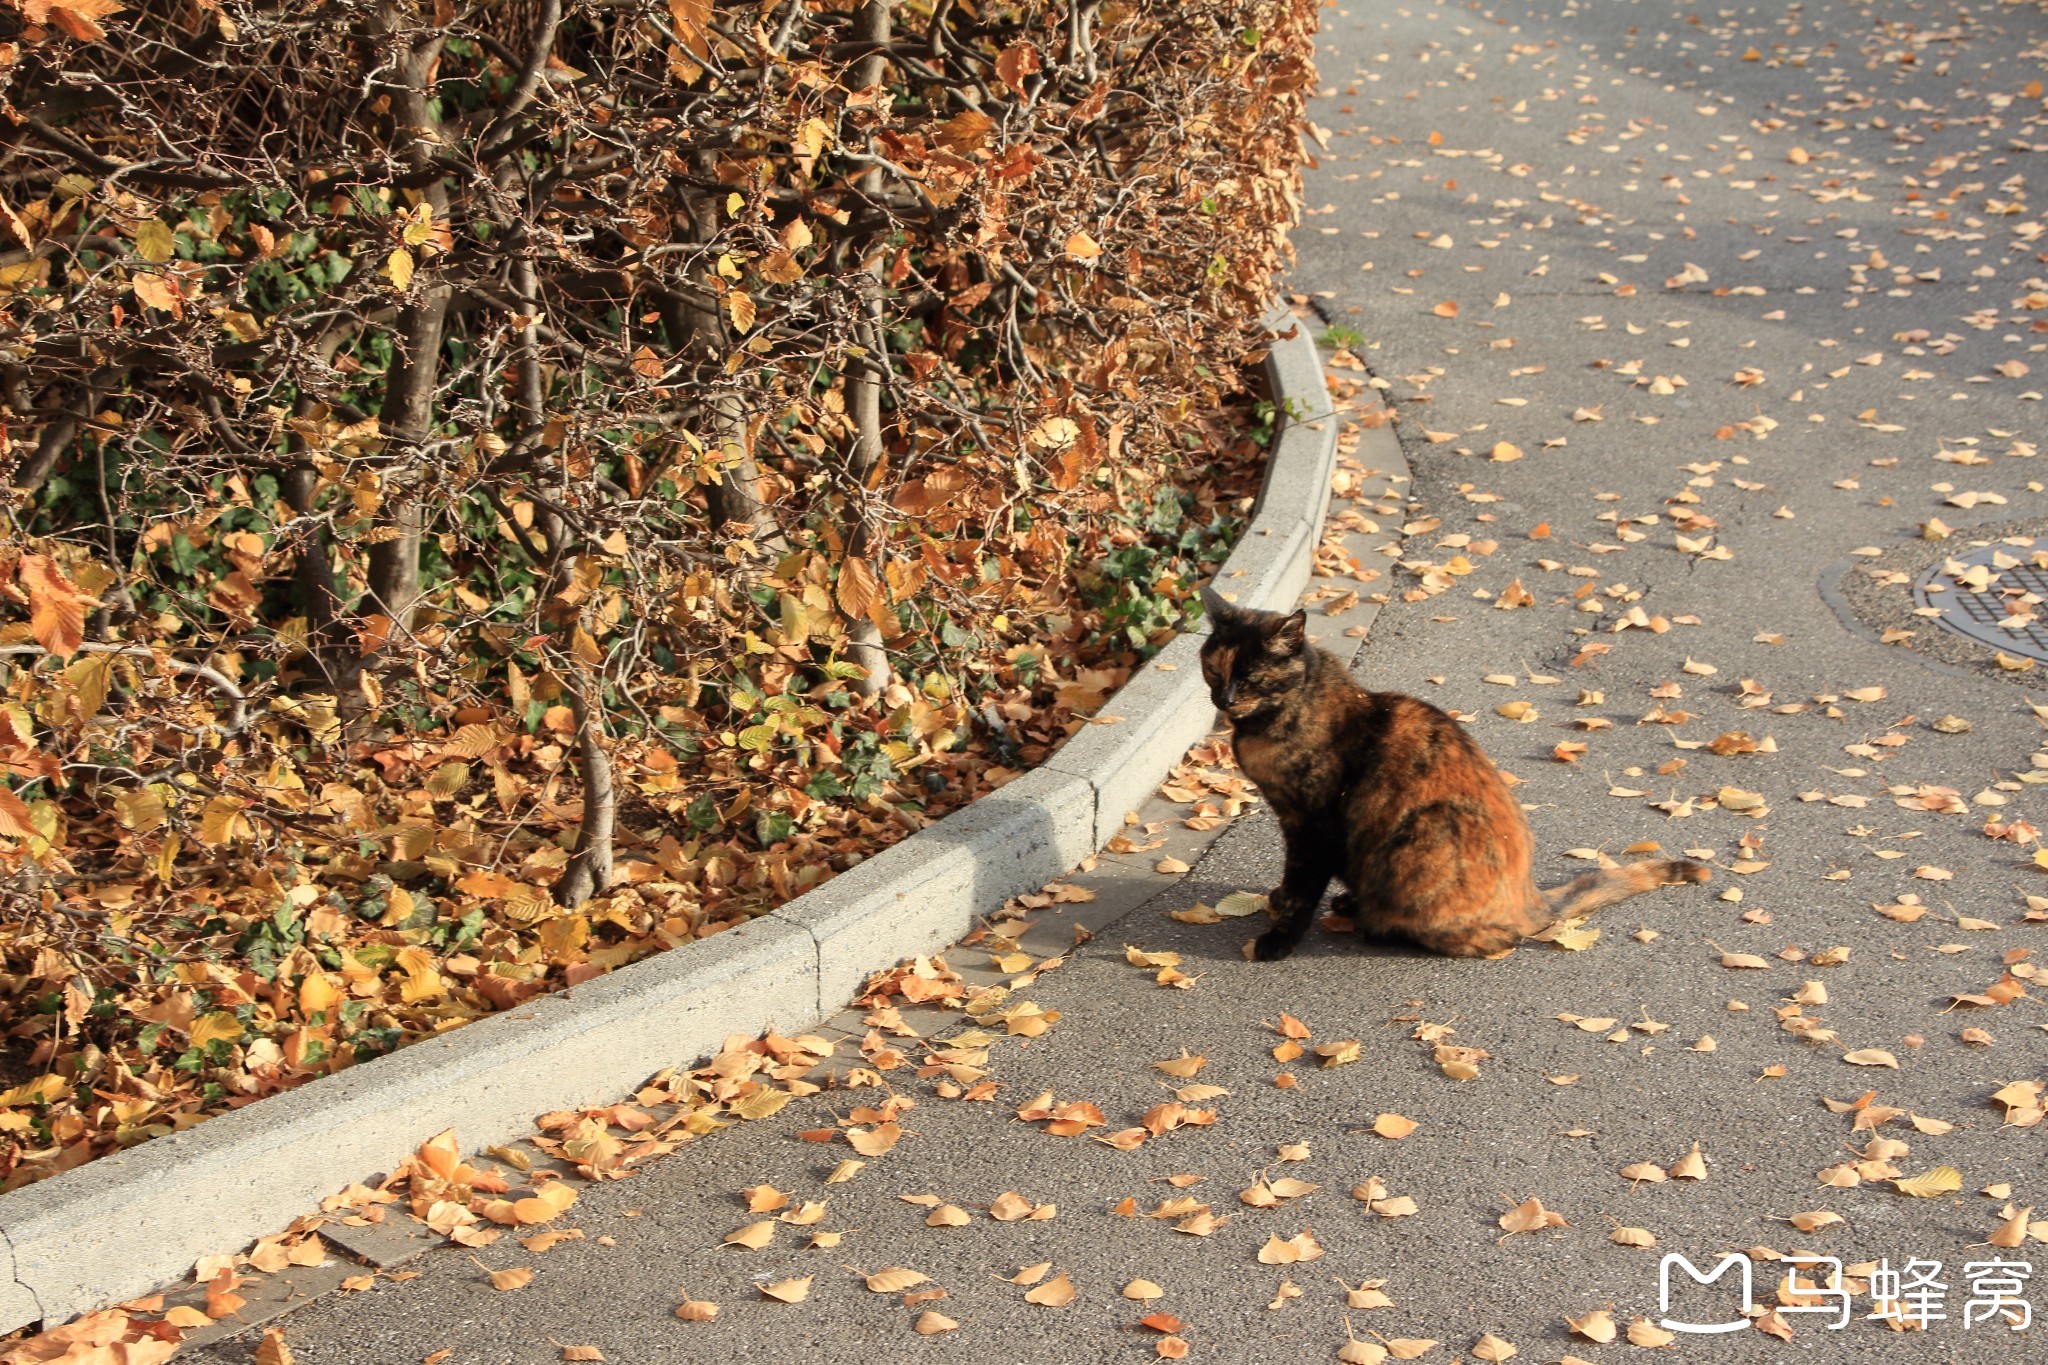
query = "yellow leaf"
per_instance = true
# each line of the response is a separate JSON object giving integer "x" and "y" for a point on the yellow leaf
{"x": 419, "y": 225}
{"x": 1931, "y": 1184}
{"x": 216, "y": 1026}
{"x": 759, "y": 1105}
{"x": 153, "y": 241}
{"x": 739, "y": 306}
{"x": 398, "y": 265}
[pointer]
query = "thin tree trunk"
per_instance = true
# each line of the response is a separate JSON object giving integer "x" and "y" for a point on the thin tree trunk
{"x": 736, "y": 499}
{"x": 863, "y": 639}
{"x": 590, "y": 872}
{"x": 412, "y": 384}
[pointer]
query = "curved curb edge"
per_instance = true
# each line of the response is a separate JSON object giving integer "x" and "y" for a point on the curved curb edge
{"x": 133, "y": 1221}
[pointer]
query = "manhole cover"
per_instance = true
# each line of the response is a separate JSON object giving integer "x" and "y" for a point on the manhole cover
{"x": 1993, "y": 594}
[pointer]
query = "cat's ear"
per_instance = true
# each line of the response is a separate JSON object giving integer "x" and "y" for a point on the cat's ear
{"x": 1290, "y": 633}
{"x": 1218, "y": 610}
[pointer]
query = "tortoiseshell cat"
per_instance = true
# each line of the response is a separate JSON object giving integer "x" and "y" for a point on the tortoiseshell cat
{"x": 1388, "y": 795}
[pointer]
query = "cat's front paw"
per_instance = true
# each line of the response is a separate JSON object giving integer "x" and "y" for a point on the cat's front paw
{"x": 1272, "y": 945}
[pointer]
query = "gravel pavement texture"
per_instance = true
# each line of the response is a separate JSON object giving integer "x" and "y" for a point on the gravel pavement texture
{"x": 1683, "y": 311}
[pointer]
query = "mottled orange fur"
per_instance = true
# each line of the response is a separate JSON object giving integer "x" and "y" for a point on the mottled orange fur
{"x": 1388, "y": 795}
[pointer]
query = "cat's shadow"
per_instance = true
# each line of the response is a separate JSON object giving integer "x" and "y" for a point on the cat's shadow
{"x": 1224, "y": 941}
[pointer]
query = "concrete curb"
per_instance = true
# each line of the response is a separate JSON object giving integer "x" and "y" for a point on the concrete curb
{"x": 129, "y": 1223}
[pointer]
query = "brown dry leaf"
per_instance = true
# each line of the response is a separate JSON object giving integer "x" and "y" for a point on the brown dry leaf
{"x": 1029, "y": 1274}
{"x": 1409, "y": 1348}
{"x": 1597, "y": 1326}
{"x": 1871, "y": 1056}
{"x": 875, "y": 1141}
{"x": 1813, "y": 1222}
{"x": 1057, "y": 1292}
{"x": 894, "y": 1279}
{"x": 1645, "y": 1172}
{"x": 1632, "y": 1237}
{"x": 1394, "y": 1126}
{"x": 753, "y": 1236}
{"x": 696, "y": 1310}
{"x": 1341, "y": 1053}
{"x": 763, "y": 1198}
{"x": 1643, "y": 1332}
{"x": 789, "y": 1291}
{"x": 1492, "y": 1348}
{"x": 1010, "y": 1207}
{"x": 2013, "y": 1231}
{"x": 582, "y": 1353}
{"x": 1144, "y": 1291}
{"x": 1691, "y": 1166}
{"x": 518, "y": 1277}
{"x": 272, "y": 1350}
{"x": 1531, "y": 1216}
{"x": 1303, "y": 1246}
{"x": 948, "y": 1216}
{"x": 932, "y": 1322}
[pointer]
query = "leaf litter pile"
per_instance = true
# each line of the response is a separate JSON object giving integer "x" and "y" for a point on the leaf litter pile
{"x": 1834, "y": 1050}
{"x": 255, "y": 829}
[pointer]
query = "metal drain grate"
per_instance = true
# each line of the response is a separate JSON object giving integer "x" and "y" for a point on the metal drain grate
{"x": 1995, "y": 594}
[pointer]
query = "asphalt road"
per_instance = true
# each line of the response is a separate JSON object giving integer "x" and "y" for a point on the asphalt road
{"x": 1692, "y": 252}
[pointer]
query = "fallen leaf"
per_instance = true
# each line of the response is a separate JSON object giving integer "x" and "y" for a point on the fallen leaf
{"x": 1930, "y": 1184}
{"x": 1597, "y": 1326}
{"x": 753, "y": 1236}
{"x": 1054, "y": 1293}
{"x": 1394, "y": 1126}
{"x": 894, "y": 1279}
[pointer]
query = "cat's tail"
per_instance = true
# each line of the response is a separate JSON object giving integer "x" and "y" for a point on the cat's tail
{"x": 1596, "y": 890}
